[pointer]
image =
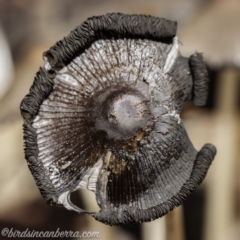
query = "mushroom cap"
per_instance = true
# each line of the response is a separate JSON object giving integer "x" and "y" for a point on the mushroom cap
{"x": 104, "y": 115}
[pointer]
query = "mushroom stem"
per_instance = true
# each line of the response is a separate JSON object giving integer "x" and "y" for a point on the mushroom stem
{"x": 175, "y": 225}
{"x": 154, "y": 230}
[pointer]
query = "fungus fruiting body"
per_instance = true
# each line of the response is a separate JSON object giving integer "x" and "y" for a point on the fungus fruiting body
{"x": 104, "y": 114}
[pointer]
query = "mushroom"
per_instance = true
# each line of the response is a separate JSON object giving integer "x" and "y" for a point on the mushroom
{"x": 103, "y": 114}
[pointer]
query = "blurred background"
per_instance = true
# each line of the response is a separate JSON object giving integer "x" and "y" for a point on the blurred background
{"x": 30, "y": 27}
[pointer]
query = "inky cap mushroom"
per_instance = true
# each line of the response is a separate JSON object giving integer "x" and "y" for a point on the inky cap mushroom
{"x": 103, "y": 114}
